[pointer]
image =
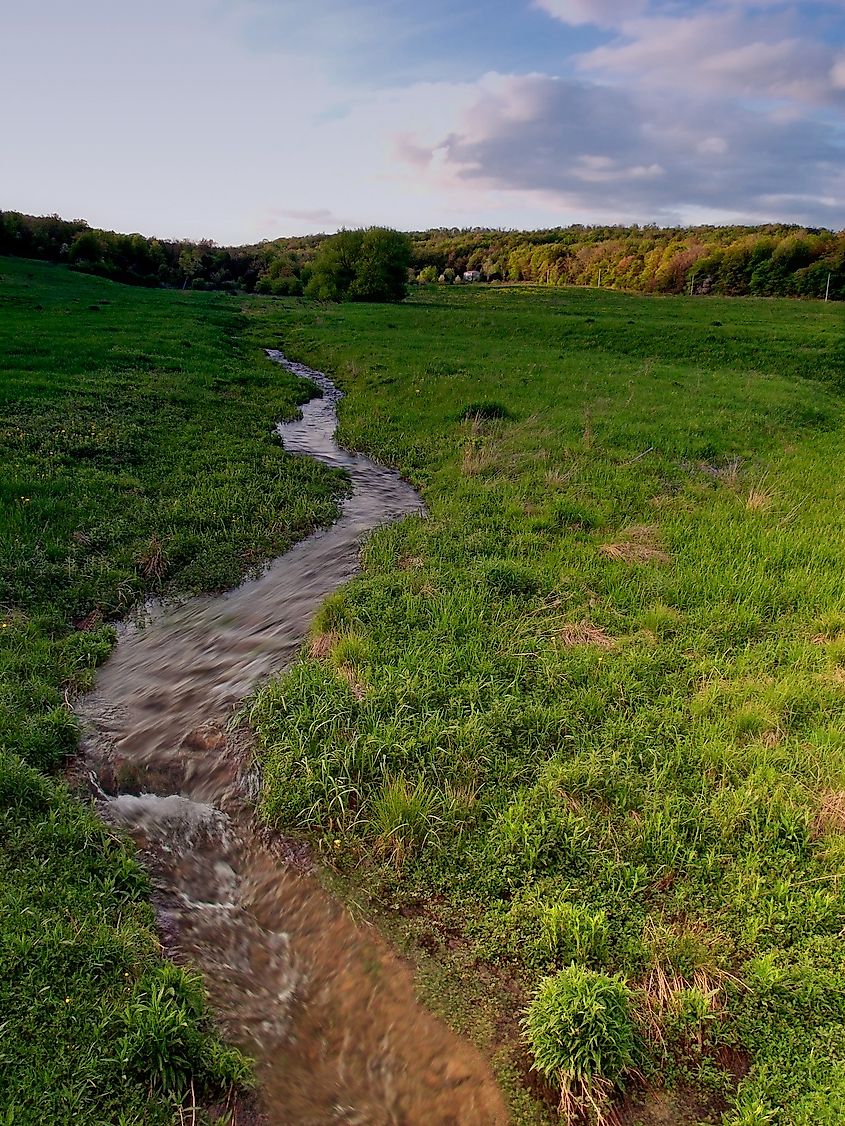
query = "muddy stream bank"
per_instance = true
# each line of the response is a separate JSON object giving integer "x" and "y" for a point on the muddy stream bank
{"x": 324, "y": 1007}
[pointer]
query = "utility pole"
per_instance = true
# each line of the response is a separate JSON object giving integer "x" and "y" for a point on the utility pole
{"x": 827, "y": 287}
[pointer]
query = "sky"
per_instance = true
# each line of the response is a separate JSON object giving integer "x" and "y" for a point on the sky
{"x": 242, "y": 120}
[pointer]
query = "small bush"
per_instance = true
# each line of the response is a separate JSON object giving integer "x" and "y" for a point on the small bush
{"x": 580, "y": 1032}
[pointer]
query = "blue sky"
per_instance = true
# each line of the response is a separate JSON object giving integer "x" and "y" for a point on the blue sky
{"x": 247, "y": 119}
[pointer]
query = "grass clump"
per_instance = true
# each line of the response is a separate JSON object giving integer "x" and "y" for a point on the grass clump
{"x": 484, "y": 412}
{"x": 404, "y": 818}
{"x": 579, "y": 1028}
{"x": 569, "y": 933}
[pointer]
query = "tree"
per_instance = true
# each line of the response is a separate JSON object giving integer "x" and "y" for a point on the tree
{"x": 333, "y": 270}
{"x": 361, "y": 265}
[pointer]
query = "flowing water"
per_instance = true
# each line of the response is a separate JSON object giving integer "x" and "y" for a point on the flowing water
{"x": 326, "y": 1010}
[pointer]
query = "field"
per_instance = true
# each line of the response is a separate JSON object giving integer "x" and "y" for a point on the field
{"x": 135, "y": 430}
{"x": 590, "y": 712}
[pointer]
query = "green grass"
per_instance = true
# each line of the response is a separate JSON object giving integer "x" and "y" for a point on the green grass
{"x": 138, "y": 459}
{"x": 589, "y": 713}
{"x": 591, "y": 710}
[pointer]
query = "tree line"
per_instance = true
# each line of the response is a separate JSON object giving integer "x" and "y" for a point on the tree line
{"x": 376, "y": 264}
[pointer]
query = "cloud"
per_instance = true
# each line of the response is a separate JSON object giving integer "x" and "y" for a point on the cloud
{"x": 722, "y": 51}
{"x": 244, "y": 119}
{"x": 599, "y": 13}
{"x": 599, "y": 149}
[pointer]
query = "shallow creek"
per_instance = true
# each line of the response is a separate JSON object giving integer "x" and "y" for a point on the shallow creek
{"x": 324, "y": 1007}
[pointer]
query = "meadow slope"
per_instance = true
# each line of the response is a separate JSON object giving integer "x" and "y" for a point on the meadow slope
{"x": 138, "y": 458}
{"x": 590, "y": 712}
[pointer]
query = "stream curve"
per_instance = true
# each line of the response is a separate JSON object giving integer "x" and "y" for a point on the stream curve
{"x": 327, "y": 1011}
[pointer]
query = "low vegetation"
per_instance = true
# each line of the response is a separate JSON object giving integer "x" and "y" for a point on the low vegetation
{"x": 581, "y": 730}
{"x": 138, "y": 458}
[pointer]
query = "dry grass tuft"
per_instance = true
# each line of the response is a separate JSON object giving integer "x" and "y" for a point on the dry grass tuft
{"x": 153, "y": 560}
{"x": 772, "y": 737}
{"x": 322, "y": 645}
{"x": 476, "y": 459}
{"x": 759, "y": 499}
{"x": 587, "y": 1100}
{"x": 638, "y": 544}
{"x": 557, "y": 479}
{"x": 347, "y": 672}
{"x": 728, "y": 474}
{"x": 826, "y": 638}
{"x": 410, "y": 563}
{"x": 582, "y": 633}
{"x": 830, "y": 816}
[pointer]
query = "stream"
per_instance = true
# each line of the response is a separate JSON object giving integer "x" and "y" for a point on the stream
{"x": 323, "y": 1006}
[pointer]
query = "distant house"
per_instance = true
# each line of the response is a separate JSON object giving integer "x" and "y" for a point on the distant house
{"x": 472, "y": 275}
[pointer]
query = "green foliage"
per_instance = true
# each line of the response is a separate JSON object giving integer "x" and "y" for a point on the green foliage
{"x": 570, "y": 933}
{"x": 161, "y": 1041}
{"x": 381, "y": 272}
{"x": 772, "y": 260}
{"x": 361, "y": 265}
{"x": 579, "y": 1026}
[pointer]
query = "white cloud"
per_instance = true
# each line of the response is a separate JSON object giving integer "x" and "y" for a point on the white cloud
{"x": 599, "y": 13}
{"x": 186, "y": 119}
{"x": 723, "y": 49}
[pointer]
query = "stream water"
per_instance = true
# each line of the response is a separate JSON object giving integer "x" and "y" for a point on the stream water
{"x": 324, "y": 1007}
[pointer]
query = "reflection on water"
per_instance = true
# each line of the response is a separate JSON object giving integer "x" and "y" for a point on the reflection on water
{"x": 326, "y": 1010}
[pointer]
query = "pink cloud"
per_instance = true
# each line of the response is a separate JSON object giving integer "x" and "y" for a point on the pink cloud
{"x": 723, "y": 52}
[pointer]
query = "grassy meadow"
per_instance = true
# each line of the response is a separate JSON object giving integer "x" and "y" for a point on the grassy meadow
{"x": 138, "y": 459}
{"x": 582, "y": 730}
{"x": 577, "y": 739}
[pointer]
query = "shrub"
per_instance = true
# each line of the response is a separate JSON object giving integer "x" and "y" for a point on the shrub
{"x": 580, "y": 1032}
{"x": 361, "y": 265}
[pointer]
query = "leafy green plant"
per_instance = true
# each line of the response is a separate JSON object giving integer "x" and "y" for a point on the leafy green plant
{"x": 571, "y": 933}
{"x": 581, "y": 1034}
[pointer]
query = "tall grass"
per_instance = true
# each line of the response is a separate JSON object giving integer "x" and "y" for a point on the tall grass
{"x": 621, "y": 636}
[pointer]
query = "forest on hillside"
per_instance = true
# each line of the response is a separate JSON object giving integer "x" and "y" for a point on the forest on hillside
{"x": 772, "y": 260}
